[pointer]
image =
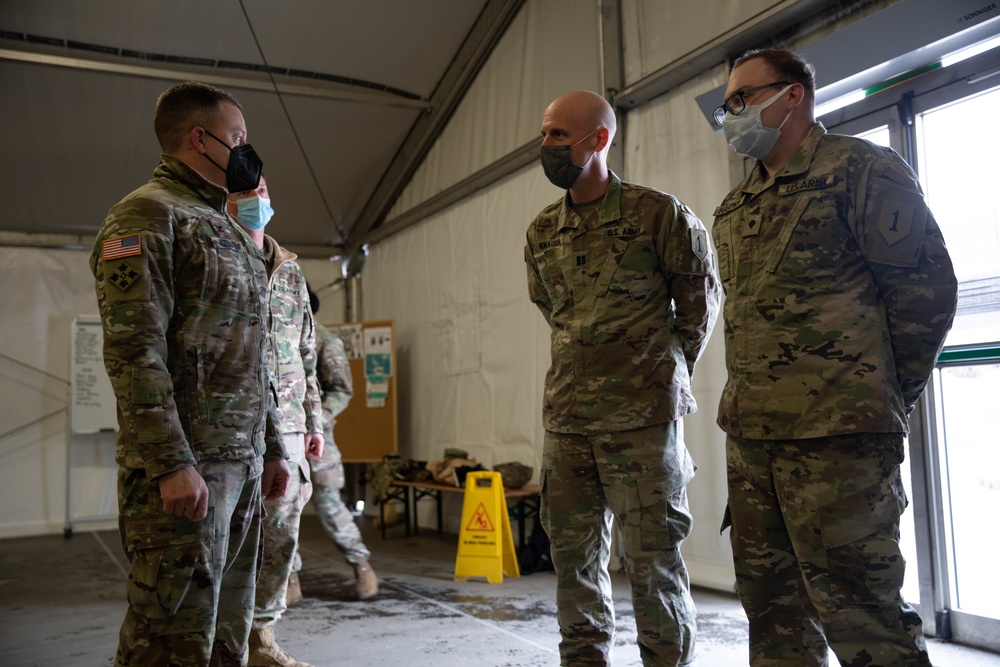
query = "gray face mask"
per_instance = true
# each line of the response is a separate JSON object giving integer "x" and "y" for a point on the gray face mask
{"x": 747, "y": 134}
{"x": 557, "y": 163}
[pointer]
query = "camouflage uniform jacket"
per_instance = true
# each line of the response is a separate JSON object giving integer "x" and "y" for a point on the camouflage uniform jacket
{"x": 294, "y": 342}
{"x": 839, "y": 293}
{"x": 334, "y": 374}
{"x": 631, "y": 295}
{"x": 182, "y": 292}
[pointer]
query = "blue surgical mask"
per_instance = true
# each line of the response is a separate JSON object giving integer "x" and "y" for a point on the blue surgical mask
{"x": 747, "y": 134}
{"x": 254, "y": 212}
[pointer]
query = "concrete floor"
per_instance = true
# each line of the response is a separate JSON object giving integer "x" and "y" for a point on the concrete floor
{"x": 61, "y": 603}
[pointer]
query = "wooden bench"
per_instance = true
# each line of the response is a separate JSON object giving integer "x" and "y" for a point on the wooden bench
{"x": 522, "y": 503}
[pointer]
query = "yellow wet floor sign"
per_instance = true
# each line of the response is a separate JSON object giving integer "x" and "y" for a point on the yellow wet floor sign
{"x": 485, "y": 543}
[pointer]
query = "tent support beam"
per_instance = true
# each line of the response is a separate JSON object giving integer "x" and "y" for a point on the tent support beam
{"x": 613, "y": 75}
{"x": 330, "y": 90}
{"x": 472, "y": 55}
{"x": 484, "y": 178}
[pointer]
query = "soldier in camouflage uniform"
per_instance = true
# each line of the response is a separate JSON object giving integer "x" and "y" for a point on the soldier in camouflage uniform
{"x": 336, "y": 385}
{"x": 839, "y": 294}
{"x": 294, "y": 366}
{"x": 625, "y": 277}
{"x": 182, "y": 293}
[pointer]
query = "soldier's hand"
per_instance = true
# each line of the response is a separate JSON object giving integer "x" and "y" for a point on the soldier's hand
{"x": 184, "y": 493}
{"x": 274, "y": 481}
{"x": 314, "y": 445}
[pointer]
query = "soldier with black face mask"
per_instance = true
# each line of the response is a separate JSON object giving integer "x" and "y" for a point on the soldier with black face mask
{"x": 625, "y": 277}
{"x": 182, "y": 292}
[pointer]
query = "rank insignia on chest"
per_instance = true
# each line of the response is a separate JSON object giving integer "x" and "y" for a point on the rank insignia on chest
{"x": 122, "y": 246}
{"x": 123, "y": 276}
{"x": 228, "y": 244}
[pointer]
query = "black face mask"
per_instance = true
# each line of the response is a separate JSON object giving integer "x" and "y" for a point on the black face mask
{"x": 243, "y": 169}
{"x": 557, "y": 163}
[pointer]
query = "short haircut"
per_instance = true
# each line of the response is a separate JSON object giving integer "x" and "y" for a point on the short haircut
{"x": 184, "y": 106}
{"x": 787, "y": 66}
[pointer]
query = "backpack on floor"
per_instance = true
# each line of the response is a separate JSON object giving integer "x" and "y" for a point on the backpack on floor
{"x": 535, "y": 555}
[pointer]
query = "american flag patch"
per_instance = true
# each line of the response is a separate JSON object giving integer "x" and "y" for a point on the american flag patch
{"x": 123, "y": 246}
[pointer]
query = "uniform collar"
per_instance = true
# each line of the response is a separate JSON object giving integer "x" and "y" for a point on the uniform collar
{"x": 608, "y": 210}
{"x": 189, "y": 179}
{"x": 798, "y": 164}
{"x": 275, "y": 255}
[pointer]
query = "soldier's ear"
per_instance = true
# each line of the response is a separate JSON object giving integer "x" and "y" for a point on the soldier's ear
{"x": 796, "y": 94}
{"x": 602, "y": 135}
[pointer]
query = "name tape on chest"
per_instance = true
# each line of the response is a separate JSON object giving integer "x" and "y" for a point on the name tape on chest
{"x": 729, "y": 205}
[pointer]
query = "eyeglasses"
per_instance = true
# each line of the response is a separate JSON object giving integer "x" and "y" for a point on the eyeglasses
{"x": 737, "y": 102}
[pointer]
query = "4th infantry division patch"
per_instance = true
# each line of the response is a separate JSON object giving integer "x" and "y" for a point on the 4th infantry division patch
{"x": 123, "y": 277}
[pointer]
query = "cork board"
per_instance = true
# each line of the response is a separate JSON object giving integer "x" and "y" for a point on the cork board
{"x": 366, "y": 430}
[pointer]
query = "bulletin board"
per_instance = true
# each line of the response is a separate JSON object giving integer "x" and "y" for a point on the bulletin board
{"x": 366, "y": 430}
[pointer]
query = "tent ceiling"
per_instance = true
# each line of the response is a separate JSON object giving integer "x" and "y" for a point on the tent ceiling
{"x": 363, "y": 85}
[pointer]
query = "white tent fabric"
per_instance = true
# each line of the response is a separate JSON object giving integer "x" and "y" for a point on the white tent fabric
{"x": 550, "y": 48}
{"x": 659, "y": 32}
{"x": 670, "y": 147}
{"x": 43, "y": 292}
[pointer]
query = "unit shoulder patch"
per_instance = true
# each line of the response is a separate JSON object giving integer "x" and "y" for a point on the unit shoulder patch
{"x": 895, "y": 220}
{"x": 699, "y": 243}
{"x": 900, "y": 217}
{"x": 123, "y": 276}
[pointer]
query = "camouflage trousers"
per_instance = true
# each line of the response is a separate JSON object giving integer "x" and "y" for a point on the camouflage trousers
{"x": 815, "y": 537}
{"x": 190, "y": 583}
{"x": 337, "y": 520}
{"x": 281, "y": 537}
{"x": 640, "y": 479}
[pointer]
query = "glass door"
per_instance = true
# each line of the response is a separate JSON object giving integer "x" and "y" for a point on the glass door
{"x": 941, "y": 124}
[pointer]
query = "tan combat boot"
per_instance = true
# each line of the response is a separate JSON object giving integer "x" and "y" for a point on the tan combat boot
{"x": 294, "y": 593}
{"x": 265, "y": 652}
{"x": 365, "y": 581}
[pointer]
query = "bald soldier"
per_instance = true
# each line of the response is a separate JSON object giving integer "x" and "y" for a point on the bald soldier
{"x": 625, "y": 277}
{"x": 839, "y": 294}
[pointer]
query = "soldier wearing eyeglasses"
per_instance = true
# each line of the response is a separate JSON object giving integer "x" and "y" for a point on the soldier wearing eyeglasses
{"x": 840, "y": 292}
